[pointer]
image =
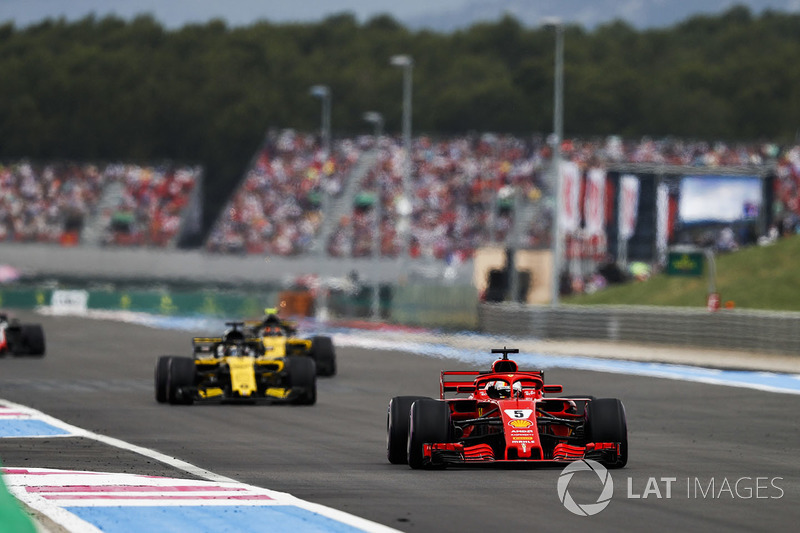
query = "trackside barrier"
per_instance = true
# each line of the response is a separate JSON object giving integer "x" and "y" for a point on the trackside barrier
{"x": 730, "y": 329}
{"x": 435, "y": 306}
{"x": 221, "y": 304}
{"x": 458, "y": 307}
{"x": 24, "y": 298}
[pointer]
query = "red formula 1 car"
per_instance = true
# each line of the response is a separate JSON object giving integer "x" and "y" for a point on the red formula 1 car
{"x": 504, "y": 416}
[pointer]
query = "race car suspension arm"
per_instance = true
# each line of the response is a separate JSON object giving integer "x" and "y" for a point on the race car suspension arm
{"x": 483, "y": 419}
{"x": 544, "y": 416}
{"x": 495, "y": 421}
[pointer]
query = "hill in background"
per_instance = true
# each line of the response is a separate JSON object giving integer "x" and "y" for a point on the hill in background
{"x": 758, "y": 277}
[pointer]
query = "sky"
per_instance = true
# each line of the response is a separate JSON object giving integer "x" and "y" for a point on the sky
{"x": 441, "y": 15}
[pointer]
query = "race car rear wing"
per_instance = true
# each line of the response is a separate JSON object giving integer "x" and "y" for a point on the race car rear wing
{"x": 209, "y": 344}
{"x": 459, "y": 386}
{"x": 465, "y": 382}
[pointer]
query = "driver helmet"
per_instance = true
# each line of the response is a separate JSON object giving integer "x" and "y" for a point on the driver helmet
{"x": 272, "y": 331}
{"x": 234, "y": 351}
{"x": 498, "y": 389}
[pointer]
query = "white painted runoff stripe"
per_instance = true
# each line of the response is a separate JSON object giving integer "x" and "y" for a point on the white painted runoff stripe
{"x": 73, "y": 523}
{"x": 85, "y": 501}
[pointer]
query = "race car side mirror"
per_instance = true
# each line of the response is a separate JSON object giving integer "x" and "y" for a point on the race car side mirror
{"x": 553, "y": 388}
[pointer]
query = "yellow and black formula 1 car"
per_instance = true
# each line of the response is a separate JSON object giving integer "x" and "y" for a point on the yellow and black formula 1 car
{"x": 235, "y": 368}
{"x": 279, "y": 338}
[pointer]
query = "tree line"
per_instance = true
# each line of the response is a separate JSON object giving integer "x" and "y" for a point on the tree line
{"x": 111, "y": 89}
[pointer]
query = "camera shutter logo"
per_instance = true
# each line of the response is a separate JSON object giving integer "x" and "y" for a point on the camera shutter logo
{"x": 587, "y": 509}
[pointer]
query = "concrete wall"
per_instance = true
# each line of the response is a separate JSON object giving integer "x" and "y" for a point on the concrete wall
{"x": 197, "y": 266}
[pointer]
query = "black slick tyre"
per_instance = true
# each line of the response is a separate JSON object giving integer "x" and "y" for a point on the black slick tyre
{"x": 397, "y": 428}
{"x": 32, "y": 336}
{"x": 162, "y": 366}
{"x": 180, "y": 375}
{"x": 429, "y": 422}
{"x": 606, "y": 422}
{"x": 324, "y": 355}
{"x": 303, "y": 377}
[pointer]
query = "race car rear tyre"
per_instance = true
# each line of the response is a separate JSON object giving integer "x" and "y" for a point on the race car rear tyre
{"x": 303, "y": 376}
{"x": 605, "y": 419}
{"x": 162, "y": 367}
{"x": 33, "y": 339}
{"x": 180, "y": 374}
{"x": 429, "y": 422}
{"x": 324, "y": 355}
{"x": 397, "y": 428}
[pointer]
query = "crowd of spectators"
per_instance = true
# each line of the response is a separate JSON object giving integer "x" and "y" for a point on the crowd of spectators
{"x": 463, "y": 190}
{"x": 150, "y": 206}
{"x": 461, "y": 196}
{"x": 277, "y": 208}
{"x": 787, "y": 193}
{"x": 47, "y": 203}
{"x": 463, "y": 193}
{"x": 52, "y": 203}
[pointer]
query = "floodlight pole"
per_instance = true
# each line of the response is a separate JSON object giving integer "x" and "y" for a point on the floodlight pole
{"x": 323, "y": 92}
{"x": 377, "y": 120}
{"x": 558, "y": 130}
{"x": 407, "y": 64}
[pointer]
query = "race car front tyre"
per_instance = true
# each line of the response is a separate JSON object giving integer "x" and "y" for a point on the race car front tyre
{"x": 33, "y": 339}
{"x": 162, "y": 366}
{"x": 324, "y": 355}
{"x": 397, "y": 428}
{"x": 303, "y": 377}
{"x": 429, "y": 422}
{"x": 180, "y": 374}
{"x": 605, "y": 419}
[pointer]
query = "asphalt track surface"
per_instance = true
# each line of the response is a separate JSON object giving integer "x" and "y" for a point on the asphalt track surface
{"x": 98, "y": 375}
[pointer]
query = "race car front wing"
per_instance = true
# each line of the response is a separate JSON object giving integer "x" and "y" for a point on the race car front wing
{"x": 457, "y": 453}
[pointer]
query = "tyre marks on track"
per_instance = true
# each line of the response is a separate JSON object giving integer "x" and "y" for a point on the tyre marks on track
{"x": 78, "y": 386}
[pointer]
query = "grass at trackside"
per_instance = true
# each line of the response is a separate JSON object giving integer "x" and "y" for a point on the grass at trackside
{"x": 757, "y": 277}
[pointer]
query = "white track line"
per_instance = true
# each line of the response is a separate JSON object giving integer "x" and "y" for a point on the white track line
{"x": 284, "y": 497}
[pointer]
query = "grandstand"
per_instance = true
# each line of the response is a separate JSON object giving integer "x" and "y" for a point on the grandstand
{"x": 466, "y": 191}
{"x": 72, "y": 204}
{"x": 295, "y": 199}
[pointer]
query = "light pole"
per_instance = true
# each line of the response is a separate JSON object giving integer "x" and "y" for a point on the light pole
{"x": 558, "y": 131}
{"x": 323, "y": 92}
{"x": 377, "y": 120}
{"x": 407, "y": 64}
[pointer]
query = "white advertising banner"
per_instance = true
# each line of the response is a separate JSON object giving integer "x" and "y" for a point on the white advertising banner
{"x": 571, "y": 190}
{"x": 628, "y": 206}
{"x": 594, "y": 204}
{"x": 662, "y": 222}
